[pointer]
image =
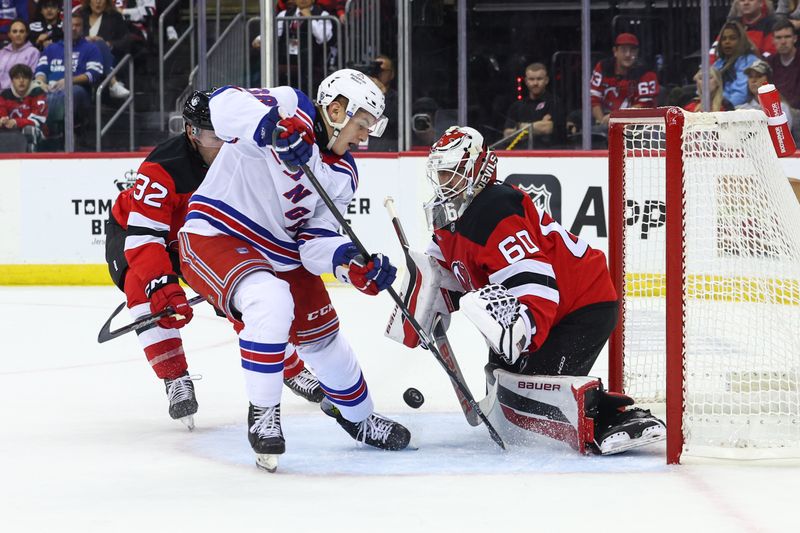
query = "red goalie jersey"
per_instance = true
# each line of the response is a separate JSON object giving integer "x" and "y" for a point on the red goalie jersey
{"x": 154, "y": 209}
{"x": 502, "y": 238}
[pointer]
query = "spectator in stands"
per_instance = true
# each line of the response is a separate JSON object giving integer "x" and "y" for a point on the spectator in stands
{"x": 760, "y": 73}
{"x": 23, "y": 106}
{"x": 46, "y": 27}
{"x": 87, "y": 69}
{"x": 735, "y": 53}
{"x": 788, "y": 10}
{"x": 293, "y": 44}
{"x": 19, "y": 50}
{"x": 335, "y": 7}
{"x": 784, "y": 63}
{"x": 9, "y": 11}
{"x": 757, "y": 19}
{"x": 106, "y": 28}
{"x": 718, "y": 101}
{"x": 621, "y": 82}
{"x": 538, "y": 110}
{"x": 385, "y": 80}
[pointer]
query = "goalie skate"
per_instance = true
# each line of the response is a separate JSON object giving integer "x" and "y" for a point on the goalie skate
{"x": 628, "y": 429}
{"x": 182, "y": 401}
{"x": 375, "y": 430}
{"x": 265, "y": 435}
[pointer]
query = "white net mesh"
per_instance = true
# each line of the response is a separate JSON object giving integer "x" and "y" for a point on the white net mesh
{"x": 742, "y": 284}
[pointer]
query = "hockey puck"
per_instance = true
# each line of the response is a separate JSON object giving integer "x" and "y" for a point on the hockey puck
{"x": 413, "y": 398}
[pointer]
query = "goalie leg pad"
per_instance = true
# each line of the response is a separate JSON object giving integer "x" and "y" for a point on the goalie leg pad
{"x": 523, "y": 407}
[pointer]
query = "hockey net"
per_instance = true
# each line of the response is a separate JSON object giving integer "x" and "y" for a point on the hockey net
{"x": 705, "y": 251}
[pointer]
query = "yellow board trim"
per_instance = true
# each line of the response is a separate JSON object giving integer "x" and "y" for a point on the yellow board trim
{"x": 718, "y": 288}
{"x": 70, "y": 275}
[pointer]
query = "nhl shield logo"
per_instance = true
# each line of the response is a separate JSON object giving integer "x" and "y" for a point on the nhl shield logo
{"x": 462, "y": 275}
{"x": 540, "y": 195}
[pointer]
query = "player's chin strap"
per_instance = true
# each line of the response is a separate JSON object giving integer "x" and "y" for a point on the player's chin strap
{"x": 337, "y": 127}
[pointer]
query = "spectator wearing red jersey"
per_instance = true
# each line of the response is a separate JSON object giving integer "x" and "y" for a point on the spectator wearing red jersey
{"x": 735, "y": 53}
{"x": 784, "y": 63}
{"x": 621, "y": 82}
{"x": 23, "y": 108}
{"x": 757, "y": 19}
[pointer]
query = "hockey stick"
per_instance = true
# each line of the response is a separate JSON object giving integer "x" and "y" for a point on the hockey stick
{"x": 437, "y": 330}
{"x": 424, "y": 338}
{"x": 106, "y": 333}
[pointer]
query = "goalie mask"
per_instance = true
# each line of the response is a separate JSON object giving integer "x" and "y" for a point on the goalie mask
{"x": 361, "y": 93}
{"x": 459, "y": 167}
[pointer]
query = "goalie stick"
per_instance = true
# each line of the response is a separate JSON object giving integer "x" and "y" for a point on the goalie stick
{"x": 106, "y": 333}
{"x": 437, "y": 329}
{"x": 424, "y": 337}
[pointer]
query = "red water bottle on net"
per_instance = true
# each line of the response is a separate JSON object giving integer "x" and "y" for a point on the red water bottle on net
{"x": 777, "y": 122}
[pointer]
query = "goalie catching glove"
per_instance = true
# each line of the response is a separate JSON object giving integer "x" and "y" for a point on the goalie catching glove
{"x": 369, "y": 276}
{"x": 496, "y": 314}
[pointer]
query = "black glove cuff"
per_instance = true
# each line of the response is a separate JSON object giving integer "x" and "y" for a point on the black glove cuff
{"x": 159, "y": 283}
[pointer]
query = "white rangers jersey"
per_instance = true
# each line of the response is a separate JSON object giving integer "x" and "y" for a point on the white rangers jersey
{"x": 250, "y": 194}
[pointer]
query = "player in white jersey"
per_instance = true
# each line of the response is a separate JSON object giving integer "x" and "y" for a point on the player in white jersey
{"x": 257, "y": 237}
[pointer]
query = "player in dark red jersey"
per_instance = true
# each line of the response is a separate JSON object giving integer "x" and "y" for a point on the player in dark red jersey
{"x": 621, "y": 82}
{"x": 542, "y": 298}
{"x": 142, "y": 255}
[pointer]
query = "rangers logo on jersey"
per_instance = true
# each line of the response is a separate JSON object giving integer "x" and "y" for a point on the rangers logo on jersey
{"x": 462, "y": 275}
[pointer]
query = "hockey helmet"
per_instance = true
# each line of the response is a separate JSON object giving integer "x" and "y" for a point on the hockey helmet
{"x": 459, "y": 166}
{"x": 361, "y": 93}
{"x": 196, "y": 111}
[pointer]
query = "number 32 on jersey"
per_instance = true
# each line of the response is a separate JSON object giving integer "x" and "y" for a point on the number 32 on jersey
{"x": 157, "y": 191}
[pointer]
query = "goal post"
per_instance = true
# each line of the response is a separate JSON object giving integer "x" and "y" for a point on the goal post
{"x": 704, "y": 250}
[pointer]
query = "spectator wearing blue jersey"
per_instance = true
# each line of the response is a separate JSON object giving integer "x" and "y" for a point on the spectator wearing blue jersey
{"x": 87, "y": 69}
{"x": 10, "y": 10}
{"x": 735, "y": 53}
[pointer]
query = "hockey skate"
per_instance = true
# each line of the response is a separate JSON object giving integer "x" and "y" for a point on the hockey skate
{"x": 375, "y": 430}
{"x": 182, "y": 401}
{"x": 265, "y": 435}
{"x": 627, "y": 429}
{"x": 306, "y": 385}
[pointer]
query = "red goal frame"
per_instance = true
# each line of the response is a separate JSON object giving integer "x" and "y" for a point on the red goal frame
{"x": 672, "y": 118}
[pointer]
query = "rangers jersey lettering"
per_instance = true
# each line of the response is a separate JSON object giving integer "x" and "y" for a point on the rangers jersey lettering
{"x": 502, "y": 238}
{"x": 251, "y": 195}
{"x": 153, "y": 210}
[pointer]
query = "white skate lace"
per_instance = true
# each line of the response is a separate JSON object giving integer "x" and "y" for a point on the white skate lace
{"x": 267, "y": 422}
{"x": 375, "y": 428}
{"x": 304, "y": 381}
{"x": 181, "y": 389}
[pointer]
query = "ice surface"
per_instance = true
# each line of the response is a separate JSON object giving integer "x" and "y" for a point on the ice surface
{"x": 86, "y": 445}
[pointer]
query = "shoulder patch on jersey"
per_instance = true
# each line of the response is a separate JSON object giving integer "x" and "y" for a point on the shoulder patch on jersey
{"x": 305, "y": 108}
{"x": 492, "y": 205}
